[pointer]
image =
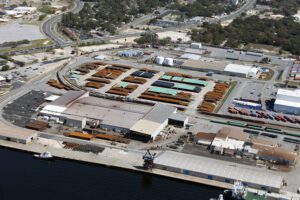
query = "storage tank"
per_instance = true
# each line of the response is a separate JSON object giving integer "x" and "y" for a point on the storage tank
{"x": 159, "y": 60}
{"x": 168, "y": 62}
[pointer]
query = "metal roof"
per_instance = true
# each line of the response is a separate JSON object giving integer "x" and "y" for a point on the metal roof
{"x": 190, "y": 56}
{"x": 223, "y": 169}
{"x": 68, "y": 98}
{"x": 166, "y": 77}
{"x": 163, "y": 90}
{"x": 194, "y": 81}
{"x": 184, "y": 86}
{"x": 235, "y": 68}
{"x": 178, "y": 117}
{"x": 110, "y": 112}
{"x": 17, "y": 133}
{"x": 160, "y": 113}
{"x": 146, "y": 127}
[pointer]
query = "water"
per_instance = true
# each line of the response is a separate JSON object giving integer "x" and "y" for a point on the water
{"x": 23, "y": 177}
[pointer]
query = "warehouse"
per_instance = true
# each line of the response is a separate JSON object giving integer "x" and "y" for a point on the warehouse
{"x": 217, "y": 170}
{"x": 62, "y": 103}
{"x": 15, "y": 134}
{"x": 143, "y": 122}
{"x": 244, "y": 71}
{"x": 287, "y": 101}
{"x": 178, "y": 120}
{"x": 77, "y": 109}
{"x": 229, "y": 141}
{"x": 222, "y": 68}
{"x": 74, "y": 121}
{"x": 152, "y": 123}
{"x": 199, "y": 65}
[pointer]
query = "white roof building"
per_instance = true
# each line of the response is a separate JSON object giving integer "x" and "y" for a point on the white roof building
{"x": 2, "y": 79}
{"x": 217, "y": 170}
{"x": 243, "y": 70}
{"x": 190, "y": 56}
{"x": 154, "y": 121}
{"x": 52, "y": 98}
{"x": 287, "y": 101}
{"x": 25, "y": 10}
{"x": 228, "y": 143}
{"x": 254, "y": 72}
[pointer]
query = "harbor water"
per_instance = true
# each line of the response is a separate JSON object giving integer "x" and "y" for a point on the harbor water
{"x": 23, "y": 177}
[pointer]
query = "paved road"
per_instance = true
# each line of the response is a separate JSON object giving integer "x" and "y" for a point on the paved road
{"x": 49, "y": 26}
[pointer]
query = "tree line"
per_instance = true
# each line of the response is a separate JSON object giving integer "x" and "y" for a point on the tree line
{"x": 285, "y": 7}
{"x": 282, "y": 33}
{"x": 110, "y": 14}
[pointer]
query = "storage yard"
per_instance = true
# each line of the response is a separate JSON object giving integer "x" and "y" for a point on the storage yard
{"x": 144, "y": 84}
{"x": 212, "y": 120}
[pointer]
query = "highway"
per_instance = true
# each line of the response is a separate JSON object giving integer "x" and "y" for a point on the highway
{"x": 49, "y": 27}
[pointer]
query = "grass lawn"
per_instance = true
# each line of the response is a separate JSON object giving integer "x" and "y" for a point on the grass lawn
{"x": 262, "y": 47}
{"x": 33, "y": 44}
{"x": 47, "y": 9}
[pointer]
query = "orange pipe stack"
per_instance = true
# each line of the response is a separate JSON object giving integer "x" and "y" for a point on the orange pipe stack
{"x": 84, "y": 136}
{"x": 211, "y": 98}
{"x": 122, "y": 91}
{"x": 180, "y": 99}
{"x": 98, "y": 80}
{"x": 110, "y": 137}
{"x": 56, "y": 84}
{"x": 108, "y": 73}
{"x": 137, "y": 80}
{"x": 178, "y": 74}
{"x": 94, "y": 85}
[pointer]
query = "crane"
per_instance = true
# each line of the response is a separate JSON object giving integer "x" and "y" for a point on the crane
{"x": 148, "y": 160}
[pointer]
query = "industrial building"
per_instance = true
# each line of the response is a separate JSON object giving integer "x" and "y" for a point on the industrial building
{"x": 21, "y": 10}
{"x": 287, "y": 101}
{"x": 217, "y": 67}
{"x": 242, "y": 71}
{"x": 204, "y": 139}
{"x": 217, "y": 170}
{"x": 229, "y": 141}
{"x": 18, "y": 135}
{"x": 2, "y": 79}
{"x": 77, "y": 109}
{"x": 130, "y": 53}
{"x": 196, "y": 45}
{"x": 152, "y": 123}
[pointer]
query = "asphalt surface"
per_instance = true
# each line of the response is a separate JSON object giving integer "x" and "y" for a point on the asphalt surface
{"x": 49, "y": 27}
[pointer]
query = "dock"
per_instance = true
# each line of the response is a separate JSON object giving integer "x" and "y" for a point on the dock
{"x": 130, "y": 161}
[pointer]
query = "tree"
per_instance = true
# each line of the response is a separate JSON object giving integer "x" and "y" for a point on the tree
{"x": 5, "y": 68}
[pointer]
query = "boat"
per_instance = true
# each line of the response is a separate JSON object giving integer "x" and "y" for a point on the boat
{"x": 45, "y": 155}
{"x": 241, "y": 192}
{"x": 238, "y": 192}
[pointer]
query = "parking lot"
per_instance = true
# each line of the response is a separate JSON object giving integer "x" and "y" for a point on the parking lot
{"x": 20, "y": 111}
{"x": 252, "y": 91}
{"x": 11, "y": 32}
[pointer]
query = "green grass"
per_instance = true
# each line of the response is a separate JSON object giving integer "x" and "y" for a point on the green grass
{"x": 33, "y": 44}
{"x": 260, "y": 47}
{"x": 47, "y": 9}
{"x": 295, "y": 83}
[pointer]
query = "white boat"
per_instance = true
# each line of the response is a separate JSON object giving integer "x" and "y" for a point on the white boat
{"x": 44, "y": 155}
